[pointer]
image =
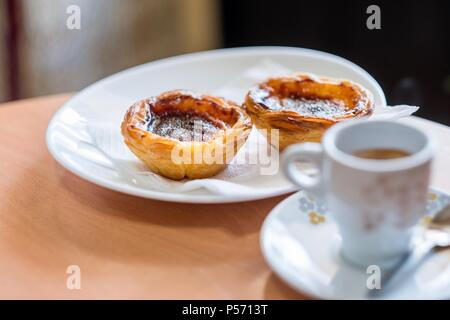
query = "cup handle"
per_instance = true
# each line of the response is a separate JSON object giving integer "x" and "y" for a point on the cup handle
{"x": 311, "y": 152}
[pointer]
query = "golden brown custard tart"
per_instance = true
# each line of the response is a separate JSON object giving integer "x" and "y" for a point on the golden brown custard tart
{"x": 181, "y": 134}
{"x": 303, "y": 106}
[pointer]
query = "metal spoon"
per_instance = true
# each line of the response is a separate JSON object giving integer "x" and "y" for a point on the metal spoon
{"x": 436, "y": 238}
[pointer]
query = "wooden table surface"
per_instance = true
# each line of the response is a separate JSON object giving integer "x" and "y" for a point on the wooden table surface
{"x": 126, "y": 247}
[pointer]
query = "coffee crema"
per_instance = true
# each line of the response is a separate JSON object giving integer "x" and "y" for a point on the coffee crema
{"x": 381, "y": 153}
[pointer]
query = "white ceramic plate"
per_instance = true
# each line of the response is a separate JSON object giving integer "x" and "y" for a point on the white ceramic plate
{"x": 300, "y": 241}
{"x": 202, "y": 72}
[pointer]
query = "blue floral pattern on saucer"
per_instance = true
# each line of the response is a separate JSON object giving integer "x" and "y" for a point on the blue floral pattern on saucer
{"x": 316, "y": 209}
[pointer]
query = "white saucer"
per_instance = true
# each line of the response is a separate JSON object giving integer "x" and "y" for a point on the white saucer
{"x": 300, "y": 242}
{"x": 101, "y": 108}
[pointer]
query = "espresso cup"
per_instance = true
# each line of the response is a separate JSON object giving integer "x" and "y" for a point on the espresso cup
{"x": 376, "y": 203}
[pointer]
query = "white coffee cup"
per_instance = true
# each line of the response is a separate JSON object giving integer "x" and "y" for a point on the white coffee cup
{"x": 376, "y": 203}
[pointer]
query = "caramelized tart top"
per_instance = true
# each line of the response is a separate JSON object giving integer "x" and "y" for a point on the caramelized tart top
{"x": 185, "y": 116}
{"x": 312, "y": 97}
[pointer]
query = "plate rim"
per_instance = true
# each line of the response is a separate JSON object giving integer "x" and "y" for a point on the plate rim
{"x": 210, "y": 54}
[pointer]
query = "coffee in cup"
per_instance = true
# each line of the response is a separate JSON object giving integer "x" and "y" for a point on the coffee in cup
{"x": 374, "y": 176}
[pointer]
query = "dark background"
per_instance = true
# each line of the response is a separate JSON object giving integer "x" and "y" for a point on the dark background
{"x": 409, "y": 56}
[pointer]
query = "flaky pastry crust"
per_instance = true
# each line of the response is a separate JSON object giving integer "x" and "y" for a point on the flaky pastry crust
{"x": 265, "y": 106}
{"x": 157, "y": 152}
